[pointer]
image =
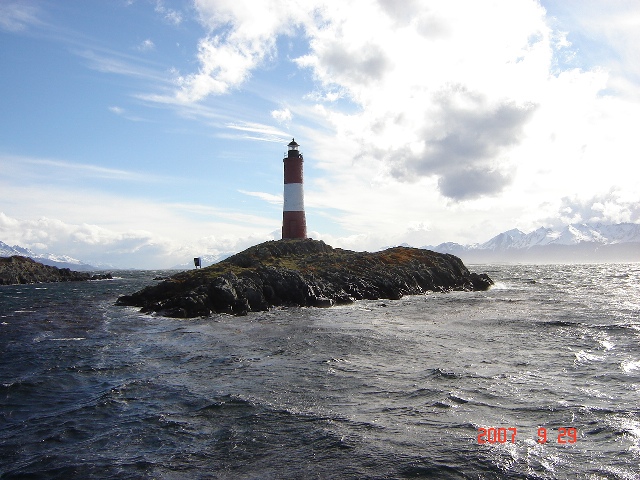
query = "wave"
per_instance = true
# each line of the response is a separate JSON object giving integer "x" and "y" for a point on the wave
{"x": 457, "y": 399}
{"x": 583, "y": 357}
{"x": 562, "y": 323}
{"x": 629, "y": 366}
{"x": 440, "y": 373}
{"x": 233, "y": 402}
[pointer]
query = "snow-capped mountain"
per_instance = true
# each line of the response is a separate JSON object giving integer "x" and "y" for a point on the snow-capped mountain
{"x": 569, "y": 235}
{"x": 576, "y": 242}
{"x": 60, "y": 261}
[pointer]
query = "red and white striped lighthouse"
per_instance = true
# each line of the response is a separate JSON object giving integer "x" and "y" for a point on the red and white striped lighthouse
{"x": 294, "y": 224}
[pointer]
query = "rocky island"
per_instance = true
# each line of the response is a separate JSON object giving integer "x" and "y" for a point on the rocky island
{"x": 303, "y": 272}
{"x": 18, "y": 270}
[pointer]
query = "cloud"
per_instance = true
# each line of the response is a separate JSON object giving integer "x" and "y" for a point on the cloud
{"x": 16, "y": 17}
{"x": 267, "y": 197}
{"x": 224, "y": 65}
{"x": 242, "y": 35}
{"x": 146, "y": 45}
{"x": 283, "y": 115}
{"x": 170, "y": 15}
{"x": 472, "y": 182}
{"x": 360, "y": 64}
{"x": 611, "y": 207}
{"x": 121, "y": 65}
{"x": 25, "y": 167}
{"x": 116, "y": 243}
{"x": 50, "y": 235}
{"x": 258, "y": 131}
{"x": 116, "y": 110}
{"x": 464, "y": 146}
{"x": 606, "y": 35}
{"x": 124, "y": 114}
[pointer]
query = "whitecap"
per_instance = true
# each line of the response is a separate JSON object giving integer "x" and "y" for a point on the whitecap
{"x": 606, "y": 343}
{"x": 631, "y": 429}
{"x": 630, "y": 365}
{"x": 594, "y": 392}
{"x": 584, "y": 357}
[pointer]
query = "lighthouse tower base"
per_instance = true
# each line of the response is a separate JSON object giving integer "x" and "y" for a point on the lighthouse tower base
{"x": 294, "y": 225}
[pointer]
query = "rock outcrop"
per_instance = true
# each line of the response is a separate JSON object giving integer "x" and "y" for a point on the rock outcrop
{"x": 19, "y": 270}
{"x": 303, "y": 273}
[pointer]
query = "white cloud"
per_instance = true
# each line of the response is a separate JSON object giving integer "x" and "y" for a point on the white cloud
{"x": 258, "y": 131}
{"x": 610, "y": 35}
{"x": 267, "y": 197}
{"x": 121, "y": 65}
{"x": 610, "y": 207}
{"x": 117, "y": 110}
{"x": 146, "y": 45}
{"x": 17, "y": 16}
{"x": 124, "y": 114}
{"x": 150, "y": 235}
{"x": 282, "y": 115}
{"x": 170, "y": 15}
{"x": 223, "y": 66}
{"x": 32, "y": 167}
{"x": 242, "y": 36}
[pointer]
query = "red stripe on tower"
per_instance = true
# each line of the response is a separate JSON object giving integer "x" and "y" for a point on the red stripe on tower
{"x": 294, "y": 223}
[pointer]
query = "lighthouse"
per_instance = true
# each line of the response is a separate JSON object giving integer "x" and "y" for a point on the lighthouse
{"x": 294, "y": 224}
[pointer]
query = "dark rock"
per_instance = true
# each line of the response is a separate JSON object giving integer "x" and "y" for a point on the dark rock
{"x": 323, "y": 302}
{"x": 17, "y": 270}
{"x": 304, "y": 273}
{"x": 481, "y": 281}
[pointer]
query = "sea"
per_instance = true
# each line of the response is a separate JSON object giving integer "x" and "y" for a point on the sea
{"x": 537, "y": 378}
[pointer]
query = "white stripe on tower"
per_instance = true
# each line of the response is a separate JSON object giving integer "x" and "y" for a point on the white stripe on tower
{"x": 293, "y": 197}
{"x": 294, "y": 224}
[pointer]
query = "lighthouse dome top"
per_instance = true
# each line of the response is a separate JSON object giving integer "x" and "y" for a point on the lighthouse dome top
{"x": 293, "y": 145}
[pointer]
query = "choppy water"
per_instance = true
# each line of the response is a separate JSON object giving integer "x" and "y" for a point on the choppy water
{"x": 379, "y": 389}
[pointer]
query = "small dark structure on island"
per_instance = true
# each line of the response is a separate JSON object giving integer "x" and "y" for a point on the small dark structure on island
{"x": 197, "y": 261}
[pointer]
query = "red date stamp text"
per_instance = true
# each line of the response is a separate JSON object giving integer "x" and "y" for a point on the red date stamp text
{"x": 506, "y": 435}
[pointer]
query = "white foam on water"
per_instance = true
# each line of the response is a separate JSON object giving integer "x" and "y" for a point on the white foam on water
{"x": 630, "y": 365}
{"x": 605, "y": 341}
{"x": 586, "y": 357}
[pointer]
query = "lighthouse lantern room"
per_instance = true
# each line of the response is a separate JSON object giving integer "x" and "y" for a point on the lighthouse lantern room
{"x": 294, "y": 224}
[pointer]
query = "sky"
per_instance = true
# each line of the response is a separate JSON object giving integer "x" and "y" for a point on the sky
{"x": 142, "y": 133}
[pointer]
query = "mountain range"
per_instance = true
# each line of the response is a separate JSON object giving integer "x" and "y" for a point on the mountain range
{"x": 575, "y": 243}
{"x": 60, "y": 261}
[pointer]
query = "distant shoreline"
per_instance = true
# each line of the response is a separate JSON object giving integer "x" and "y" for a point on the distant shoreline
{"x": 18, "y": 270}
